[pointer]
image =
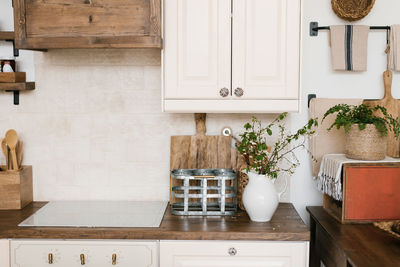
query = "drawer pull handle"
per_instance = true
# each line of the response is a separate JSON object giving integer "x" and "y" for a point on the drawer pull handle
{"x": 50, "y": 258}
{"x": 82, "y": 259}
{"x": 232, "y": 251}
{"x": 114, "y": 259}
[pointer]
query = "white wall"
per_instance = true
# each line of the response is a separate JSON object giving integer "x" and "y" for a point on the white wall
{"x": 86, "y": 98}
{"x": 317, "y": 77}
{"x": 93, "y": 128}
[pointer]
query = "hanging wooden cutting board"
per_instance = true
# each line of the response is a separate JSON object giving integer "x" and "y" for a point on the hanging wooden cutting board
{"x": 201, "y": 151}
{"x": 392, "y": 106}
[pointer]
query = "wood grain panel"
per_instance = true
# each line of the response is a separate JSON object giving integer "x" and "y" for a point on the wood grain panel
{"x": 87, "y": 24}
{"x": 361, "y": 245}
{"x": 17, "y": 86}
{"x": 6, "y": 35}
{"x": 202, "y": 152}
{"x": 16, "y": 188}
{"x": 286, "y": 225}
{"x": 86, "y": 20}
{"x": 392, "y": 106}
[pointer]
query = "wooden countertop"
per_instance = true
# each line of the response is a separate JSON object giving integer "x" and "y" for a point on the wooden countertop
{"x": 286, "y": 225}
{"x": 363, "y": 244}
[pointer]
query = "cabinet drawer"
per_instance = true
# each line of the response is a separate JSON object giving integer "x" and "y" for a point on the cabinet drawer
{"x": 40, "y": 253}
{"x": 238, "y": 254}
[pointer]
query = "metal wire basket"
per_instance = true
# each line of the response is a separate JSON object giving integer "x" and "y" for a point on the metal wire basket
{"x": 204, "y": 192}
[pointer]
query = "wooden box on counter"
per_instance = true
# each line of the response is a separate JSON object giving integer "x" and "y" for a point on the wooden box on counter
{"x": 370, "y": 193}
{"x": 16, "y": 189}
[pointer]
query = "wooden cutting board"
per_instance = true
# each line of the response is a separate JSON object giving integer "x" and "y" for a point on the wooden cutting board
{"x": 324, "y": 141}
{"x": 201, "y": 151}
{"x": 392, "y": 106}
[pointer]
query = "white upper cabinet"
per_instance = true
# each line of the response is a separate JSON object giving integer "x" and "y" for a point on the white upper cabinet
{"x": 228, "y": 56}
{"x": 197, "y": 53}
{"x": 266, "y": 48}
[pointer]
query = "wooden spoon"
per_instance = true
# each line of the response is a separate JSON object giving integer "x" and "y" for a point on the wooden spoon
{"x": 5, "y": 151}
{"x": 19, "y": 153}
{"x": 12, "y": 141}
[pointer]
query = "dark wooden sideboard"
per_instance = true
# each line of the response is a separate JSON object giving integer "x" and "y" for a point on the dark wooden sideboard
{"x": 339, "y": 245}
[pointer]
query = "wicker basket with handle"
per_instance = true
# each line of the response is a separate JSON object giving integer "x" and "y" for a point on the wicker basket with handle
{"x": 352, "y": 10}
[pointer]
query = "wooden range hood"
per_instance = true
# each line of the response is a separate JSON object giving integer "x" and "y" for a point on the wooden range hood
{"x": 87, "y": 24}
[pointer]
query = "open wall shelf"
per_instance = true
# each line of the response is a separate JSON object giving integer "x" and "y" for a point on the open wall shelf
{"x": 6, "y": 36}
{"x": 16, "y": 88}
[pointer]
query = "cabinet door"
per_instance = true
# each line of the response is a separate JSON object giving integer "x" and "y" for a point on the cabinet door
{"x": 4, "y": 253}
{"x": 197, "y": 45}
{"x": 266, "y": 42}
{"x": 232, "y": 254}
{"x": 42, "y": 253}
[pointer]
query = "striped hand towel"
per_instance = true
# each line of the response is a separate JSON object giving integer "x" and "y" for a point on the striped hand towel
{"x": 394, "y": 54}
{"x": 349, "y": 45}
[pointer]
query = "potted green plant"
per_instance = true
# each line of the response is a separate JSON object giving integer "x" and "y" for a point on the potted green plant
{"x": 267, "y": 155}
{"x": 366, "y": 129}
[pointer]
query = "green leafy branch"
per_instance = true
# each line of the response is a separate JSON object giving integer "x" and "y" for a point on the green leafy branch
{"x": 348, "y": 115}
{"x": 270, "y": 159}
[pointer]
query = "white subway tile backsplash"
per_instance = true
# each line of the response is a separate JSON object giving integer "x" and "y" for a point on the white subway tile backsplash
{"x": 93, "y": 128}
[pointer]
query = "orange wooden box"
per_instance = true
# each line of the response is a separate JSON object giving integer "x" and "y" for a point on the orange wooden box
{"x": 371, "y": 192}
{"x": 16, "y": 190}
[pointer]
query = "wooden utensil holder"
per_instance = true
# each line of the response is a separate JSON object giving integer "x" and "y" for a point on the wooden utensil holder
{"x": 16, "y": 188}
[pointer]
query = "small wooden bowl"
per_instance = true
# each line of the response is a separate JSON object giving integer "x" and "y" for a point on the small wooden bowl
{"x": 352, "y": 10}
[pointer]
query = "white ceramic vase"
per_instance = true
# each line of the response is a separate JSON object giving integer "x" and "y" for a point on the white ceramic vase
{"x": 260, "y": 197}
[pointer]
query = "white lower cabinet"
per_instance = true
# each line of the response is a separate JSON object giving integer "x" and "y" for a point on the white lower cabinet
{"x": 96, "y": 253}
{"x": 4, "y": 253}
{"x": 65, "y": 253}
{"x": 233, "y": 254}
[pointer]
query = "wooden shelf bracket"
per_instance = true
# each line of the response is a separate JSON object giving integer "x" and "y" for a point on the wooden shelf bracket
{"x": 15, "y": 88}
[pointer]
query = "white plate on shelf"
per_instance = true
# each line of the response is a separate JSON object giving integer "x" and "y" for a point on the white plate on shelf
{"x": 98, "y": 214}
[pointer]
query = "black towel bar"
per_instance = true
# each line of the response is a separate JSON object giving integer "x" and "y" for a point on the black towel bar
{"x": 314, "y": 28}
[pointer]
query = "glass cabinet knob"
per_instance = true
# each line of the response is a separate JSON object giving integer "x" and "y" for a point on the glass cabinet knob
{"x": 232, "y": 251}
{"x": 224, "y": 92}
{"x": 239, "y": 92}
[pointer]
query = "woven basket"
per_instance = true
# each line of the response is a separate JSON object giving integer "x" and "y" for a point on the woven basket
{"x": 368, "y": 144}
{"x": 352, "y": 10}
{"x": 243, "y": 181}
